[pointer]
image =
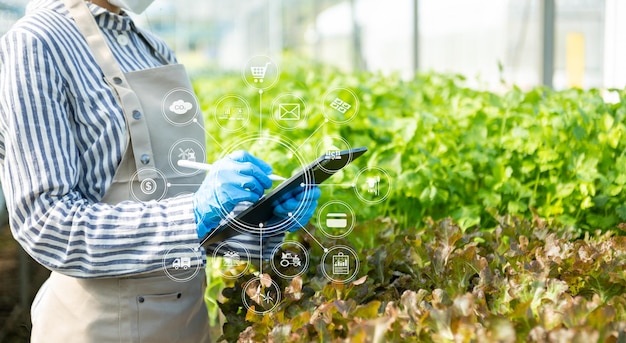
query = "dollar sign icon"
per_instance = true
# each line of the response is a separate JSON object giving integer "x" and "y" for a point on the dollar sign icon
{"x": 148, "y": 186}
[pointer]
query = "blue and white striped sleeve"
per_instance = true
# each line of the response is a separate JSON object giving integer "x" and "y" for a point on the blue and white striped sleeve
{"x": 50, "y": 218}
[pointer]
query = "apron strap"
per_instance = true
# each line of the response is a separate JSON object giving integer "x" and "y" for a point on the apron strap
{"x": 113, "y": 75}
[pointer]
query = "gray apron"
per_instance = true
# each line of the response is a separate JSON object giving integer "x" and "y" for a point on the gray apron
{"x": 164, "y": 124}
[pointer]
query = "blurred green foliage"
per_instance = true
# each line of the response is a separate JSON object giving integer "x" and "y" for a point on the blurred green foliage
{"x": 451, "y": 151}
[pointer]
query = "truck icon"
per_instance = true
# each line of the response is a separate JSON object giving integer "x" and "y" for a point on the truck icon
{"x": 183, "y": 262}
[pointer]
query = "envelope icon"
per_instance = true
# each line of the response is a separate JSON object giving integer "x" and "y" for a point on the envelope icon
{"x": 289, "y": 111}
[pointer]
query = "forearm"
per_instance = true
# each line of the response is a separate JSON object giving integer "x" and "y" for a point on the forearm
{"x": 100, "y": 240}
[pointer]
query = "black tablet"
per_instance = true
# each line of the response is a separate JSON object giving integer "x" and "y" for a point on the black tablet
{"x": 253, "y": 219}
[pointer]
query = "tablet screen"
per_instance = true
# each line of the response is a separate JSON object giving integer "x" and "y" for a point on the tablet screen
{"x": 255, "y": 216}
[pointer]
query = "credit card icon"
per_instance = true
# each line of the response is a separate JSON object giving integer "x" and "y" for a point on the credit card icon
{"x": 337, "y": 220}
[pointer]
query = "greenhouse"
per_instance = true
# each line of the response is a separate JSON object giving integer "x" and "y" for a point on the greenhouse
{"x": 312, "y": 171}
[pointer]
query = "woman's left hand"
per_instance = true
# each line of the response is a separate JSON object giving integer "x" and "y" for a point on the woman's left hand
{"x": 296, "y": 206}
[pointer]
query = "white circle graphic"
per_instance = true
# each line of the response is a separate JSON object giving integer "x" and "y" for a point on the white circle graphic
{"x": 260, "y": 72}
{"x": 336, "y": 214}
{"x": 298, "y": 263}
{"x": 148, "y": 186}
{"x": 255, "y": 294}
{"x": 189, "y": 150}
{"x": 372, "y": 185}
{"x": 152, "y": 188}
{"x": 180, "y": 107}
{"x": 340, "y": 105}
{"x": 330, "y": 147}
{"x": 232, "y": 113}
{"x": 231, "y": 256}
{"x": 342, "y": 263}
{"x": 178, "y": 262}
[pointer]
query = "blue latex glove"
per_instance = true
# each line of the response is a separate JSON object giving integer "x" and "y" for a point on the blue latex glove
{"x": 297, "y": 205}
{"x": 300, "y": 204}
{"x": 236, "y": 178}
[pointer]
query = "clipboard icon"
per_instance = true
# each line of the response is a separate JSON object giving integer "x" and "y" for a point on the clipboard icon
{"x": 289, "y": 111}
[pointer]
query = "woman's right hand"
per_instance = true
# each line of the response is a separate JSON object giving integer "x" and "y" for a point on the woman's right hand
{"x": 236, "y": 178}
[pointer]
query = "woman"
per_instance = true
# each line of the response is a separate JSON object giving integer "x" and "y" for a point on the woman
{"x": 90, "y": 107}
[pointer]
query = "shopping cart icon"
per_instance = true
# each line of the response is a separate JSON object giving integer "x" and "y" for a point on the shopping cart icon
{"x": 258, "y": 73}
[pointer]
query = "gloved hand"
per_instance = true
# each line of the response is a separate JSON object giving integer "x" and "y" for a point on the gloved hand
{"x": 296, "y": 206}
{"x": 236, "y": 178}
{"x": 287, "y": 204}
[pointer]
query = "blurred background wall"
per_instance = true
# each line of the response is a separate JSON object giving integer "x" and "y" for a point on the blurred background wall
{"x": 485, "y": 40}
{"x": 472, "y": 38}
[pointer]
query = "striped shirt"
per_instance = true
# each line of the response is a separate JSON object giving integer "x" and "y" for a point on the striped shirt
{"x": 62, "y": 134}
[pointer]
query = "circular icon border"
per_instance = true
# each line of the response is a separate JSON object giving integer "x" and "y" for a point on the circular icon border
{"x": 349, "y": 156}
{"x": 194, "y": 251}
{"x": 175, "y": 165}
{"x": 196, "y": 105}
{"x": 356, "y": 266}
{"x": 219, "y": 101}
{"x": 303, "y": 111}
{"x": 135, "y": 178}
{"x": 249, "y": 307}
{"x": 247, "y": 258}
{"x": 145, "y": 181}
{"x": 360, "y": 196}
{"x": 246, "y": 69}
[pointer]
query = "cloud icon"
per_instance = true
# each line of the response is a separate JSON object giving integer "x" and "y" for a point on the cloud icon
{"x": 180, "y": 106}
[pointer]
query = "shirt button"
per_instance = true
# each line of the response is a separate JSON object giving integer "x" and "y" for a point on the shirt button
{"x": 117, "y": 80}
{"x": 140, "y": 299}
{"x": 145, "y": 159}
{"x": 122, "y": 39}
{"x": 136, "y": 114}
